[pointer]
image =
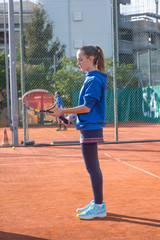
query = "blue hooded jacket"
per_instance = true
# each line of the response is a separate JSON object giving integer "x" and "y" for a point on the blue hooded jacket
{"x": 59, "y": 102}
{"x": 92, "y": 95}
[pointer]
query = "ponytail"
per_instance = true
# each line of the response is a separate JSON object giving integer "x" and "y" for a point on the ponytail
{"x": 100, "y": 63}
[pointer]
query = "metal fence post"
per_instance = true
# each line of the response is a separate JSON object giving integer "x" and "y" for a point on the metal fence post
{"x": 114, "y": 41}
{"x": 22, "y": 68}
{"x": 13, "y": 80}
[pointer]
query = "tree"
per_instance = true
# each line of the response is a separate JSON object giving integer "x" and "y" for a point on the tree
{"x": 3, "y": 101}
{"x": 38, "y": 34}
{"x": 40, "y": 49}
{"x": 125, "y": 73}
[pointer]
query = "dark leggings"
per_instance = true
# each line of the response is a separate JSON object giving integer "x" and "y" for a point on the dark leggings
{"x": 90, "y": 155}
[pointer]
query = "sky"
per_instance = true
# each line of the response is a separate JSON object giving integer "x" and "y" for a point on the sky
{"x": 140, "y": 6}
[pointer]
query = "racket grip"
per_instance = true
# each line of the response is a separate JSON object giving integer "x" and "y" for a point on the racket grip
{"x": 65, "y": 120}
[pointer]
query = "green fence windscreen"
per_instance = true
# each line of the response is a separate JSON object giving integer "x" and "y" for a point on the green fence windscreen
{"x": 134, "y": 105}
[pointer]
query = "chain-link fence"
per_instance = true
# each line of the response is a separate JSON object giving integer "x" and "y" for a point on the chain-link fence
{"x": 137, "y": 70}
{"x": 53, "y": 75}
{"x": 45, "y": 66}
{"x": 139, "y": 44}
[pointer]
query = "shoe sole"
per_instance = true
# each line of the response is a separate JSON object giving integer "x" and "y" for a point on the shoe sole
{"x": 103, "y": 215}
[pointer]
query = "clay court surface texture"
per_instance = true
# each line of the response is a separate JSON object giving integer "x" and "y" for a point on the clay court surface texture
{"x": 41, "y": 187}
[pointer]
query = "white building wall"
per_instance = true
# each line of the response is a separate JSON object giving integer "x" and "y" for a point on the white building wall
{"x": 81, "y": 22}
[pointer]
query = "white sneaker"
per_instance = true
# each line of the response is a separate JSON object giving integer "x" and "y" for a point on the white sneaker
{"x": 93, "y": 211}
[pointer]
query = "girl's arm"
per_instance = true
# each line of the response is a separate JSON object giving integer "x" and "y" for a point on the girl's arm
{"x": 78, "y": 110}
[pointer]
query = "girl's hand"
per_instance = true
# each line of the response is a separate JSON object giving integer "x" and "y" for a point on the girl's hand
{"x": 70, "y": 118}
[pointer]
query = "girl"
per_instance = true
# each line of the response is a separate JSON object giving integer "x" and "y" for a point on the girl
{"x": 90, "y": 121}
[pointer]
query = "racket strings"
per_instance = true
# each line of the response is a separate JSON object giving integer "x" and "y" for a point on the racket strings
{"x": 39, "y": 100}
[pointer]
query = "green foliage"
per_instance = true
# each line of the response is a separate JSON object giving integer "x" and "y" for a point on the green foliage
{"x": 35, "y": 77}
{"x": 3, "y": 100}
{"x": 124, "y": 73}
{"x": 2, "y": 71}
{"x": 38, "y": 35}
{"x": 68, "y": 79}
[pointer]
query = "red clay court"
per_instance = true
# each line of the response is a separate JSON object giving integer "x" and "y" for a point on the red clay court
{"x": 41, "y": 187}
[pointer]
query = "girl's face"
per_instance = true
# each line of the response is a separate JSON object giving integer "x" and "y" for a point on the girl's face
{"x": 85, "y": 63}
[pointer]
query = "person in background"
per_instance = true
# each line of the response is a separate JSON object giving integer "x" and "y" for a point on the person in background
{"x": 59, "y": 104}
{"x": 90, "y": 121}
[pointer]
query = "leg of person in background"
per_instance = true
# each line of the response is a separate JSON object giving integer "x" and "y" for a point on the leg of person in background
{"x": 65, "y": 128}
{"x": 59, "y": 125}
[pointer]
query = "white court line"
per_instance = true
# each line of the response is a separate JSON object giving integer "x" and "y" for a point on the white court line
{"x": 40, "y": 163}
{"x": 108, "y": 155}
{"x": 53, "y": 162}
{"x": 140, "y": 169}
{"x": 61, "y": 134}
{"x": 46, "y": 156}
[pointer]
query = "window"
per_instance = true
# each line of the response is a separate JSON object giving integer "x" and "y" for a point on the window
{"x": 125, "y": 34}
{"x": 77, "y": 16}
{"x": 2, "y": 37}
{"x": 152, "y": 38}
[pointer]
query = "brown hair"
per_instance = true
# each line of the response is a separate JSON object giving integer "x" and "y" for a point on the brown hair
{"x": 97, "y": 52}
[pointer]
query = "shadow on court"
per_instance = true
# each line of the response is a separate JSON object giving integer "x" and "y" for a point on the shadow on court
{"x": 13, "y": 236}
{"x": 129, "y": 219}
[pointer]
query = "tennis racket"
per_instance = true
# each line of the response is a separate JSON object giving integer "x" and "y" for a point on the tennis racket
{"x": 40, "y": 100}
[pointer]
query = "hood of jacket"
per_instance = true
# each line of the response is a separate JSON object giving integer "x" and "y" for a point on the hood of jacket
{"x": 98, "y": 75}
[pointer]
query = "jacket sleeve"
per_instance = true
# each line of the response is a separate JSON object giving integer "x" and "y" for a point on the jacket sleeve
{"x": 92, "y": 93}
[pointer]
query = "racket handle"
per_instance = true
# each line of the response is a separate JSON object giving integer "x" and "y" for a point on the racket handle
{"x": 65, "y": 120}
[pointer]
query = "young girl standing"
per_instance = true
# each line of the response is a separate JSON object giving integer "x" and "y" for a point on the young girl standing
{"x": 90, "y": 121}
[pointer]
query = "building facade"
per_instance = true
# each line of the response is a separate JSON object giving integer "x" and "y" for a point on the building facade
{"x": 75, "y": 22}
{"x": 137, "y": 33}
{"x": 27, "y": 12}
{"x": 78, "y": 23}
